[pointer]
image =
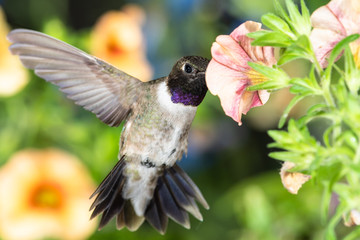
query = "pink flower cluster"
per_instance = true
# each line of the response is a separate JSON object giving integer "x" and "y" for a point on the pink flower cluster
{"x": 228, "y": 74}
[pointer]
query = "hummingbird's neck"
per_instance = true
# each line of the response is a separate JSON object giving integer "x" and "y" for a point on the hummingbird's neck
{"x": 178, "y": 95}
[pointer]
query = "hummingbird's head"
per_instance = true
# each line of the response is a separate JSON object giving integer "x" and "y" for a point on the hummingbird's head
{"x": 186, "y": 80}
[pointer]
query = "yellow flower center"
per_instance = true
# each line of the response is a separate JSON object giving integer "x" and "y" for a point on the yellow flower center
{"x": 355, "y": 49}
{"x": 46, "y": 196}
{"x": 255, "y": 77}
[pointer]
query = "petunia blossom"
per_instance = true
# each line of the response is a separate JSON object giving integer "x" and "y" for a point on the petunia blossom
{"x": 45, "y": 194}
{"x": 333, "y": 22}
{"x": 228, "y": 74}
{"x": 118, "y": 39}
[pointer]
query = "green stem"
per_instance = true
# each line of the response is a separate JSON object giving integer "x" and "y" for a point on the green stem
{"x": 330, "y": 232}
{"x": 327, "y": 95}
{"x": 324, "y": 81}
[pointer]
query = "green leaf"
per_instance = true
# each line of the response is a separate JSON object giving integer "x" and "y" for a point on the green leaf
{"x": 285, "y": 156}
{"x": 279, "y": 136}
{"x": 294, "y": 13}
{"x": 325, "y": 203}
{"x": 341, "y": 45}
{"x": 280, "y": 11}
{"x": 289, "y": 56}
{"x": 277, "y": 24}
{"x": 291, "y": 104}
{"x": 301, "y": 48}
{"x": 257, "y": 34}
{"x": 274, "y": 39}
{"x": 337, "y": 51}
{"x": 277, "y": 78}
{"x": 340, "y": 91}
{"x": 349, "y": 61}
{"x": 294, "y": 131}
{"x": 267, "y": 85}
{"x": 352, "y": 73}
{"x": 349, "y": 139}
{"x": 300, "y": 23}
{"x": 303, "y": 44}
{"x": 317, "y": 108}
{"x": 265, "y": 70}
{"x": 327, "y": 137}
{"x": 305, "y": 13}
{"x": 304, "y": 87}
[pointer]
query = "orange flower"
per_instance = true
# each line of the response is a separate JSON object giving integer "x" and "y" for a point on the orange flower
{"x": 117, "y": 38}
{"x": 228, "y": 74}
{"x": 13, "y": 76}
{"x": 332, "y": 23}
{"x": 45, "y": 194}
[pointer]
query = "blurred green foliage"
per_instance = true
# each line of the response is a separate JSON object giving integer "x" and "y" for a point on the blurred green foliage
{"x": 229, "y": 164}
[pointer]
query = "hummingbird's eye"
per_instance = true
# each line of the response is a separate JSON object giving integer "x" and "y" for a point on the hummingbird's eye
{"x": 187, "y": 68}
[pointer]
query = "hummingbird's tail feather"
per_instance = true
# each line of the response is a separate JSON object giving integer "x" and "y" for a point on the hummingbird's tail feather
{"x": 128, "y": 218}
{"x": 173, "y": 197}
{"x": 110, "y": 201}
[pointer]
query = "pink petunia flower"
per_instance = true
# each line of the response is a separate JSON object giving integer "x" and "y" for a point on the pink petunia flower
{"x": 228, "y": 74}
{"x": 333, "y": 22}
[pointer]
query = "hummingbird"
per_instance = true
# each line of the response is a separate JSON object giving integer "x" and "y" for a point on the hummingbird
{"x": 146, "y": 183}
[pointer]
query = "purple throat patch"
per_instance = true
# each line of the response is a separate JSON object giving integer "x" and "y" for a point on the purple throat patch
{"x": 178, "y": 96}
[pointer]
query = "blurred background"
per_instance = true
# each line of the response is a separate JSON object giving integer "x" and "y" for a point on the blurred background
{"x": 40, "y": 129}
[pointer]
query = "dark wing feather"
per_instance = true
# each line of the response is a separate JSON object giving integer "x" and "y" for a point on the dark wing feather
{"x": 94, "y": 84}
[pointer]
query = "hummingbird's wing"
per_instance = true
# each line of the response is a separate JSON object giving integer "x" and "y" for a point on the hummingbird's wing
{"x": 92, "y": 83}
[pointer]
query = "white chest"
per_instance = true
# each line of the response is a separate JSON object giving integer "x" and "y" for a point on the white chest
{"x": 175, "y": 109}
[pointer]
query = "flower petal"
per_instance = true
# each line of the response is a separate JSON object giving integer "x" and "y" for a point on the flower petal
{"x": 244, "y": 104}
{"x": 333, "y": 22}
{"x": 292, "y": 181}
{"x": 26, "y": 177}
{"x": 117, "y": 38}
{"x": 228, "y": 84}
{"x": 323, "y": 45}
{"x": 13, "y": 76}
{"x": 256, "y": 53}
{"x": 347, "y": 11}
{"x": 264, "y": 96}
{"x": 354, "y": 218}
{"x": 227, "y": 52}
{"x": 228, "y": 73}
{"x": 324, "y": 18}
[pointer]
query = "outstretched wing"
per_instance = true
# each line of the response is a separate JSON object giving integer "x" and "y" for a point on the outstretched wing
{"x": 94, "y": 84}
